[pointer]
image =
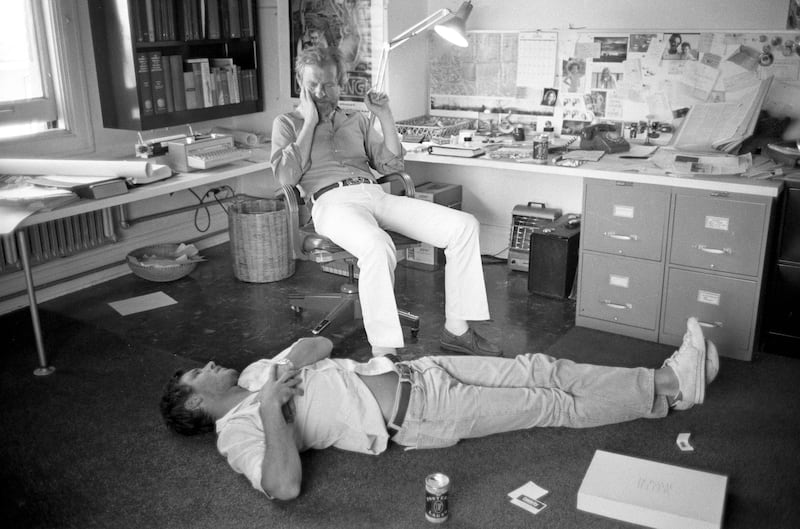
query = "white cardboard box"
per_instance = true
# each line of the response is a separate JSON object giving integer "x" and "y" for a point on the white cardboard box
{"x": 652, "y": 494}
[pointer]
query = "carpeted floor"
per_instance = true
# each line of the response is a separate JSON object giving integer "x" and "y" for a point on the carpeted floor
{"x": 86, "y": 448}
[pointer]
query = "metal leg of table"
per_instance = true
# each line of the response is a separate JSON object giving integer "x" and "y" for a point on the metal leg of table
{"x": 43, "y": 368}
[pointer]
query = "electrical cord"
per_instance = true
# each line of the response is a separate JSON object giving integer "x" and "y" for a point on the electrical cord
{"x": 212, "y": 192}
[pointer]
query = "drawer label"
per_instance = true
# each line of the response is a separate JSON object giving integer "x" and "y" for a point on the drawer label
{"x": 623, "y": 211}
{"x": 619, "y": 281}
{"x": 707, "y": 297}
{"x": 717, "y": 223}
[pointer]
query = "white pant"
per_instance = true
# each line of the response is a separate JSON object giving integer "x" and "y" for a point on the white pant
{"x": 355, "y": 217}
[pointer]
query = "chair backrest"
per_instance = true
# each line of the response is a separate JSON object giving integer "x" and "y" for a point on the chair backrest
{"x": 307, "y": 244}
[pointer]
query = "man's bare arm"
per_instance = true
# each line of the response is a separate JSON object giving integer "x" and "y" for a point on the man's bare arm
{"x": 281, "y": 470}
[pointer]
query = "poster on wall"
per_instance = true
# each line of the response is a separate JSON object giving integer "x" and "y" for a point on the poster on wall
{"x": 354, "y": 26}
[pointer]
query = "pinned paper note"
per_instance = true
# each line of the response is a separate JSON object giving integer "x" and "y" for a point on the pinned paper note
{"x": 142, "y": 303}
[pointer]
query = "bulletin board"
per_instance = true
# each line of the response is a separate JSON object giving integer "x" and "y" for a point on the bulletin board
{"x": 620, "y": 76}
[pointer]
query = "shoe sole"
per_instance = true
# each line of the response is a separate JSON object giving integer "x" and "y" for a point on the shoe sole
{"x": 465, "y": 350}
{"x": 700, "y": 385}
{"x": 712, "y": 361}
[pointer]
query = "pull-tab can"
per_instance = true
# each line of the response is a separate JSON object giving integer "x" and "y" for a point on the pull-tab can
{"x": 437, "y": 487}
{"x": 541, "y": 146}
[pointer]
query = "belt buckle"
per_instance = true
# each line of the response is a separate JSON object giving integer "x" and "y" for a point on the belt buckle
{"x": 353, "y": 180}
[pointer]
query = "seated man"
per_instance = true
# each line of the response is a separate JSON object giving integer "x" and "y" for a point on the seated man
{"x": 302, "y": 399}
{"x": 329, "y": 153}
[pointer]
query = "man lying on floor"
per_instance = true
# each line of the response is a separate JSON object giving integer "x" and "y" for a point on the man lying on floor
{"x": 302, "y": 399}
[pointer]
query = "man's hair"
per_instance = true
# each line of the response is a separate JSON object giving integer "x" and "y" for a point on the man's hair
{"x": 175, "y": 413}
{"x": 320, "y": 56}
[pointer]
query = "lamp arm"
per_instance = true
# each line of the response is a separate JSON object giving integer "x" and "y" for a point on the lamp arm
{"x": 423, "y": 25}
{"x": 419, "y": 27}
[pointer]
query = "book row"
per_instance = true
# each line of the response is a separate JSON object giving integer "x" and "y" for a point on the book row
{"x": 173, "y": 20}
{"x": 170, "y": 83}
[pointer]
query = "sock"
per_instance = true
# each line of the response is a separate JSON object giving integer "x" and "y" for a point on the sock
{"x": 456, "y": 327}
{"x": 383, "y": 351}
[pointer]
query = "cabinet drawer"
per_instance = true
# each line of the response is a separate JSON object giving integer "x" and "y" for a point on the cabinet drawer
{"x": 724, "y": 306}
{"x": 625, "y": 220}
{"x": 620, "y": 289}
{"x": 718, "y": 234}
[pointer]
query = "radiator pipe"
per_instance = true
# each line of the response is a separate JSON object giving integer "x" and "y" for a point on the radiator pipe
{"x": 125, "y": 222}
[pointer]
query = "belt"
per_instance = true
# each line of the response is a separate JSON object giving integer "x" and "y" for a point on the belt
{"x": 342, "y": 183}
{"x": 401, "y": 400}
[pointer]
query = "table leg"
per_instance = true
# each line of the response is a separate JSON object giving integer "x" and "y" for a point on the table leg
{"x": 43, "y": 368}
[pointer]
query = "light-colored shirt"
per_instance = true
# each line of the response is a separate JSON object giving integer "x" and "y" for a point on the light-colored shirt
{"x": 343, "y": 147}
{"x": 337, "y": 409}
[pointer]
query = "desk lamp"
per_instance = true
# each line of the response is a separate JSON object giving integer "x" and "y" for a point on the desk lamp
{"x": 449, "y": 26}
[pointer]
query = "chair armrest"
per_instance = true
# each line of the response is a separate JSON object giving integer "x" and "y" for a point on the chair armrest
{"x": 291, "y": 199}
{"x": 405, "y": 179}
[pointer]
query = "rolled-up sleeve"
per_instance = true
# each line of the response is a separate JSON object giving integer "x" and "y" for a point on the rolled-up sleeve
{"x": 285, "y": 156}
{"x": 381, "y": 158}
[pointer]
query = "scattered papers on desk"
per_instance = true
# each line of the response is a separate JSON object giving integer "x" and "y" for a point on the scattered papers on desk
{"x": 688, "y": 164}
{"x": 20, "y": 199}
{"x": 721, "y": 126}
{"x": 583, "y": 155}
{"x": 135, "y": 171}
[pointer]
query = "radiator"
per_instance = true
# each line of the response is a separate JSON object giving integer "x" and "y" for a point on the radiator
{"x": 59, "y": 238}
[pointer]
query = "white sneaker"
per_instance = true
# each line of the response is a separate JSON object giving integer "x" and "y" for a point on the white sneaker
{"x": 712, "y": 362}
{"x": 689, "y": 365}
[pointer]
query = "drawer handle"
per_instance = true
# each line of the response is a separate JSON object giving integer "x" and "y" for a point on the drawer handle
{"x": 710, "y": 324}
{"x": 612, "y": 305}
{"x": 715, "y": 251}
{"x": 617, "y": 236}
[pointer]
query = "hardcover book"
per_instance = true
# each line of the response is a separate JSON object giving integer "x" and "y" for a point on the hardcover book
{"x": 652, "y": 494}
{"x": 465, "y": 151}
{"x": 143, "y": 84}
{"x": 157, "y": 82}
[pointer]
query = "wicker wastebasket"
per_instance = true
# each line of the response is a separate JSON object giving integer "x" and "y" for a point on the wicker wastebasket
{"x": 259, "y": 238}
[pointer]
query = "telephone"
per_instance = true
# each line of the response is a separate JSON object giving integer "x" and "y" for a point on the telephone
{"x": 603, "y": 137}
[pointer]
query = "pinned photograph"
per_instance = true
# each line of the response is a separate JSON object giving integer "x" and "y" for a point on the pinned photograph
{"x": 606, "y": 79}
{"x": 573, "y": 71}
{"x": 549, "y": 97}
{"x": 681, "y": 47}
{"x": 640, "y": 42}
{"x": 612, "y": 49}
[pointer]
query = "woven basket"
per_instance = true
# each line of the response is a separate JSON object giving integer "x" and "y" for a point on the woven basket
{"x": 161, "y": 272}
{"x": 431, "y": 127}
{"x": 259, "y": 235}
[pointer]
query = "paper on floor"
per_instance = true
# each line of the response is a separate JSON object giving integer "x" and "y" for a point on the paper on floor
{"x": 142, "y": 303}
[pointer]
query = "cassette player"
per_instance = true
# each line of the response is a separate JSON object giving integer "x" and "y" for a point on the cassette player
{"x": 525, "y": 219}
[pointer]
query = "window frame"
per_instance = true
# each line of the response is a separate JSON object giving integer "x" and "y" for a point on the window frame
{"x": 74, "y": 133}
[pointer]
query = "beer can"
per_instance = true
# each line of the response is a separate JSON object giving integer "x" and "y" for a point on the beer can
{"x": 437, "y": 486}
{"x": 541, "y": 146}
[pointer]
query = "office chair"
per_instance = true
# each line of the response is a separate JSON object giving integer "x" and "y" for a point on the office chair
{"x": 343, "y": 306}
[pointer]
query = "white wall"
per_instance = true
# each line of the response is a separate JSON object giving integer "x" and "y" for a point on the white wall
{"x": 623, "y": 14}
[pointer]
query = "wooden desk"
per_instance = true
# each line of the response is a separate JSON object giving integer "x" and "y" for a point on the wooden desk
{"x": 175, "y": 183}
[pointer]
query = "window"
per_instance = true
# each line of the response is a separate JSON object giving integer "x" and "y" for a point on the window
{"x": 43, "y": 105}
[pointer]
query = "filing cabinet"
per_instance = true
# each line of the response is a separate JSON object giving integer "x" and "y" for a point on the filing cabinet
{"x": 782, "y": 320}
{"x": 653, "y": 255}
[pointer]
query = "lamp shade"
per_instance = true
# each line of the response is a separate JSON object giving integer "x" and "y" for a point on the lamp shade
{"x": 454, "y": 30}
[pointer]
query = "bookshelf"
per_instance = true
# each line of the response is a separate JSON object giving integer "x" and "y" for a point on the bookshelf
{"x": 139, "y": 46}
